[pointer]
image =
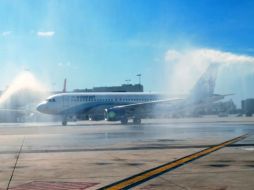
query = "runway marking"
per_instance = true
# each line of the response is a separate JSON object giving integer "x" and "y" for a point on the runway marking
{"x": 54, "y": 185}
{"x": 142, "y": 177}
{"x": 16, "y": 163}
{"x": 166, "y": 147}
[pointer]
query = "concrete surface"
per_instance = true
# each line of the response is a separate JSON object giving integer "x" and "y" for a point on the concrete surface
{"x": 88, "y": 155}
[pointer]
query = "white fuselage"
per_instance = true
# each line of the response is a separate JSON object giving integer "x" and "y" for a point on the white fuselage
{"x": 75, "y": 103}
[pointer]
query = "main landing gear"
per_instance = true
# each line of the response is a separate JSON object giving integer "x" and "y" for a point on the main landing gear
{"x": 124, "y": 121}
{"x": 136, "y": 121}
{"x": 64, "y": 123}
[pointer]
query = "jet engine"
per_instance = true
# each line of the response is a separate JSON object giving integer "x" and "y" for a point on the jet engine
{"x": 113, "y": 114}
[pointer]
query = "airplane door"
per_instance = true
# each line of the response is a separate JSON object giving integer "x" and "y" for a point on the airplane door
{"x": 66, "y": 100}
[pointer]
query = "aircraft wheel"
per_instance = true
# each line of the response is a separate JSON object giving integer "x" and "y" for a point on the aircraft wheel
{"x": 64, "y": 122}
{"x": 124, "y": 121}
{"x": 137, "y": 121}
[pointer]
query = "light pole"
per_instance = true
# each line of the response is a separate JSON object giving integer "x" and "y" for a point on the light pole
{"x": 139, "y": 78}
{"x": 127, "y": 81}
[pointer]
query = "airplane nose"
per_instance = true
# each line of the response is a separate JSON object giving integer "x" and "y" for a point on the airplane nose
{"x": 41, "y": 107}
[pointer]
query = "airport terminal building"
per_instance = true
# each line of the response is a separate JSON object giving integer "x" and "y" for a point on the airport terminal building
{"x": 122, "y": 88}
{"x": 248, "y": 107}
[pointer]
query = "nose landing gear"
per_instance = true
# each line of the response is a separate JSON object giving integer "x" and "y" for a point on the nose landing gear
{"x": 64, "y": 121}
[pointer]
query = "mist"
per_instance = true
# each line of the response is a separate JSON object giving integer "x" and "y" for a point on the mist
{"x": 21, "y": 96}
{"x": 187, "y": 65}
{"x": 25, "y": 80}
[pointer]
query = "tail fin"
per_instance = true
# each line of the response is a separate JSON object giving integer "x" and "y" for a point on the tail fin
{"x": 205, "y": 85}
{"x": 64, "y": 87}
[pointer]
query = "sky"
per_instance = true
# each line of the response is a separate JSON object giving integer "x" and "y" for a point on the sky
{"x": 105, "y": 42}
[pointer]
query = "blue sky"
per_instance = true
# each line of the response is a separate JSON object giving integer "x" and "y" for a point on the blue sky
{"x": 105, "y": 42}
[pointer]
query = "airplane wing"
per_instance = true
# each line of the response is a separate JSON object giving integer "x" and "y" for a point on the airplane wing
{"x": 139, "y": 108}
{"x": 150, "y": 103}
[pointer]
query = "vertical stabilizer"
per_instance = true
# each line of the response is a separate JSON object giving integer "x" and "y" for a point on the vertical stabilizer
{"x": 205, "y": 85}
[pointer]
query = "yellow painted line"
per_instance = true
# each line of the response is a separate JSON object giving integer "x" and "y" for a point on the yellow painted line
{"x": 154, "y": 172}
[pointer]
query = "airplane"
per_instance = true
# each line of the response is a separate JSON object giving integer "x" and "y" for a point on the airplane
{"x": 122, "y": 106}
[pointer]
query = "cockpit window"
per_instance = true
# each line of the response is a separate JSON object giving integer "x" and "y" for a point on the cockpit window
{"x": 51, "y": 100}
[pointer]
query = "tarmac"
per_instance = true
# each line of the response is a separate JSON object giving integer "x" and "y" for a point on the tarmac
{"x": 90, "y": 155}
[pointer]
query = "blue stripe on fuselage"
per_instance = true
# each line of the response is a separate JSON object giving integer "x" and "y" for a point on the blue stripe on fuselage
{"x": 87, "y": 106}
